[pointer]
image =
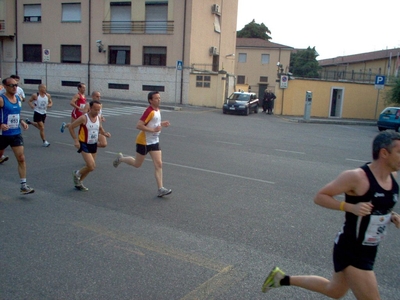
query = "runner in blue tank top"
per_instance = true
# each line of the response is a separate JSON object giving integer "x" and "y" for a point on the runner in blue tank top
{"x": 10, "y": 131}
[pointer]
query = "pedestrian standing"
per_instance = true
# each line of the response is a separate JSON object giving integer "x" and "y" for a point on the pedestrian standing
{"x": 147, "y": 141}
{"x": 40, "y": 102}
{"x": 371, "y": 192}
{"x": 10, "y": 130}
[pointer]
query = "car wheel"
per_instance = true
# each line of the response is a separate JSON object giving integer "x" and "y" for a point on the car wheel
{"x": 224, "y": 112}
{"x": 381, "y": 128}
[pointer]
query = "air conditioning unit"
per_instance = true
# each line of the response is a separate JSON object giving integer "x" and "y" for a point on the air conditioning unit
{"x": 216, "y": 9}
{"x": 213, "y": 51}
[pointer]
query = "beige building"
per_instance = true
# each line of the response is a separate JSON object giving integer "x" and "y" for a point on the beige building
{"x": 258, "y": 64}
{"x": 362, "y": 67}
{"x": 122, "y": 48}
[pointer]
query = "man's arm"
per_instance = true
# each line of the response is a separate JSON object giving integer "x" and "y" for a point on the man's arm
{"x": 31, "y": 100}
{"x": 142, "y": 126}
{"x": 50, "y": 104}
{"x": 73, "y": 125}
{"x": 73, "y": 101}
{"x": 352, "y": 182}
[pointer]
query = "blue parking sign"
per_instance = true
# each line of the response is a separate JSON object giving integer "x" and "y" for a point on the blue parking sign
{"x": 179, "y": 65}
{"x": 380, "y": 80}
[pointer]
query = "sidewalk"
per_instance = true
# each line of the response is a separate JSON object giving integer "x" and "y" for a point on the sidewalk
{"x": 337, "y": 121}
{"x": 170, "y": 106}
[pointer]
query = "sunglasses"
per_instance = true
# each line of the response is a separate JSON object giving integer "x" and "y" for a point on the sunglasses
{"x": 12, "y": 85}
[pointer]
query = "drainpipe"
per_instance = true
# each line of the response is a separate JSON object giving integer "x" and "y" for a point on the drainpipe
{"x": 89, "y": 43}
{"x": 183, "y": 51}
{"x": 16, "y": 37}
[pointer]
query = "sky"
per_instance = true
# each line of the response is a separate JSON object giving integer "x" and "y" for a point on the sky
{"x": 334, "y": 28}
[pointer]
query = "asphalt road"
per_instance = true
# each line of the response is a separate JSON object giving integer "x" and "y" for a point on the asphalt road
{"x": 242, "y": 203}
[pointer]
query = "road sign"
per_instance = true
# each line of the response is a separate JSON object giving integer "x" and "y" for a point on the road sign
{"x": 46, "y": 54}
{"x": 284, "y": 81}
{"x": 380, "y": 82}
{"x": 179, "y": 65}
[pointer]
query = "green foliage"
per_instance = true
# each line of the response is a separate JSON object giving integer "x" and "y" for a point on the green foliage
{"x": 392, "y": 93}
{"x": 304, "y": 63}
{"x": 254, "y": 30}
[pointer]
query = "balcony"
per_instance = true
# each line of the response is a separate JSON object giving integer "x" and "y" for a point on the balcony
{"x": 138, "y": 27}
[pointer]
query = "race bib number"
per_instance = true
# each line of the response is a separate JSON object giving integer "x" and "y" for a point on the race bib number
{"x": 82, "y": 106}
{"x": 42, "y": 105}
{"x": 13, "y": 121}
{"x": 376, "y": 229}
{"x": 93, "y": 137}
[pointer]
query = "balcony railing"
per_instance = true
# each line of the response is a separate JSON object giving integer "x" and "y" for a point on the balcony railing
{"x": 139, "y": 27}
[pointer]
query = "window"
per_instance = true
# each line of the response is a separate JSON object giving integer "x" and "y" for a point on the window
{"x": 71, "y": 54}
{"x": 265, "y": 58}
{"x": 156, "y": 17}
{"x": 217, "y": 23}
{"x": 32, "y": 13}
{"x": 71, "y": 12}
{"x": 242, "y": 57}
{"x": 119, "y": 55}
{"x": 159, "y": 88}
{"x": 203, "y": 81}
{"x": 120, "y": 17}
{"x": 154, "y": 56}
{"x": 118, "y": 86}
{"x": 263, "y": 78}
{"x": 32, "y": 53}
{"x": 241, "y": 79}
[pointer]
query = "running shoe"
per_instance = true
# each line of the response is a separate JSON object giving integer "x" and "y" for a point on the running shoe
{"x": 273, "y": 280}
{"x": 46, "y": 144}
{"x": 3, "y": 159}
{"x": 117, "y": 161}
{"x": 63, "y": 127}
{"x": 76, "y": 178}
{"x": 26, "y": 189}
{"x": 163, "y": 192}
{"x": 81, "y": 187}
{"x": 27, "y": 121}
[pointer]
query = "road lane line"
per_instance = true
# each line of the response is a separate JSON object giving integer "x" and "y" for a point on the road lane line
{"x": 226, "y": 274}
{"x": 288, "y": 151}
{"x": 217, "y": 285}
{"x": 207, "y": 171}
{"x": 357, "y": 160}
{"x": 228, "y": 143}
{"x": 159, "y": 248}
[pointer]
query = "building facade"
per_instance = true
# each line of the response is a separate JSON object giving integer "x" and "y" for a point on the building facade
{"x": 122, "y": 48}
{"x": 259, "y": 63}
{"x": 363, "y": 67}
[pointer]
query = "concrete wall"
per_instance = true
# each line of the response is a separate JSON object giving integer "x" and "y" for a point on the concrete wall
{"x": 358, "y": 101}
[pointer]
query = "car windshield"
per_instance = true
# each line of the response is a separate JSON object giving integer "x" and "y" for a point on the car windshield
{"x": 240, "y": 97}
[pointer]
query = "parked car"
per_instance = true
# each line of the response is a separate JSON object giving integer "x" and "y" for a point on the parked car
{"x": 389, "y": 119}
{"x": 241, "y": 102}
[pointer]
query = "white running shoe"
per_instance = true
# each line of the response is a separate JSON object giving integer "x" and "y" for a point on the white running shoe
{"x": 117, "y": 161}
{"x": 163, "y": 192}
{"x": 46, "y": 144}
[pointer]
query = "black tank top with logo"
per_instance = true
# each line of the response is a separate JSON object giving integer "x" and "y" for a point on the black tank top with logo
{"x": 366, "y": 232}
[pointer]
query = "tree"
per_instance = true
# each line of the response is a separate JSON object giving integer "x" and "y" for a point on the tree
{"x": 303, "y": 63}
{"x": 254, "y": 30}
{"x": 392, "y": 95}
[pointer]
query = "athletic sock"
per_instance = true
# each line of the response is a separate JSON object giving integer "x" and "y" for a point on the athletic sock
{"x": 285, "y": 280}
